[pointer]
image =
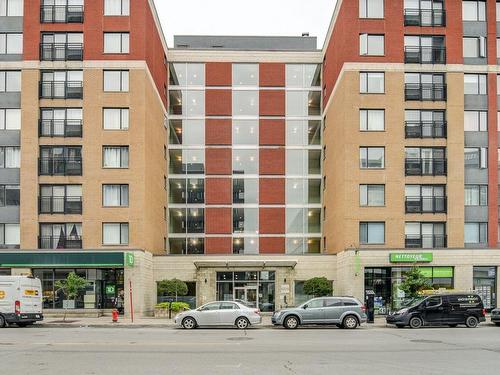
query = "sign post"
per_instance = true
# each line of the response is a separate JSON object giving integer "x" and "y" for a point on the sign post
{"x": 131, "y": 302}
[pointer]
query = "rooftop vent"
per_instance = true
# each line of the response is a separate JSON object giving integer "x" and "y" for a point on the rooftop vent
{"x": 305, "y": 34}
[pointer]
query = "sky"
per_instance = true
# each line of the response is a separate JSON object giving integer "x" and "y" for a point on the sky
{"x": 244, "y": 17}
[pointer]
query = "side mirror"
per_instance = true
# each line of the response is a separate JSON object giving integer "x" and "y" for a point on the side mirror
{"x": 304, "y": 307}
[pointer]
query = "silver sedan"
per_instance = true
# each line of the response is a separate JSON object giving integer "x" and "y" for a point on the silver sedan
{"x": 220, "y": 313}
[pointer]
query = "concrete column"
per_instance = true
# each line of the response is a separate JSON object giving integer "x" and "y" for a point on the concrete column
{"x": 143, "y": 285}
{"x": 463, "y": 278}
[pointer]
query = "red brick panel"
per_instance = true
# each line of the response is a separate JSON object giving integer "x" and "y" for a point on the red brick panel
{"x": 272, "y": 132}
{"x": 218, "y": 161}
{"x": 272, "y": 102}
{"x": 272, "y": 191}
{"x": 218, "y": 102}
{"x": 492, "y": 160}
{"x": 218, "y": 131}
{"x": 272, "y": 245}
{"x": 218, "y": 221}
{"x": 272, "y": 161}
{"x": 218, "y": 191}
{"x": 272, "y": 75}
{"x": 218, "y": 74}
{"x": 218, "y": 245}
{"x": 271, "y": 220}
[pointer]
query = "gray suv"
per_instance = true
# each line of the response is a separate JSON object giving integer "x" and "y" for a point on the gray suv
{"x": 344, "y": 312}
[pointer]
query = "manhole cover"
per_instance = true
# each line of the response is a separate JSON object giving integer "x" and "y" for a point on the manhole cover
{"x": 427, "y": 341}
{"x": 240, "y": 338}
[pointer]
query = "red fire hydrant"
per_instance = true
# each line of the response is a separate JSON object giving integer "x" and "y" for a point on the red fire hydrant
{"x": 114, "y": 314}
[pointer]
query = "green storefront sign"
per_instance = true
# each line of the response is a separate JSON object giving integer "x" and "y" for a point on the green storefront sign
{"x": 410, "y": 257}
{"x": 129, "y": 259}
{"x": 110, "y": 289}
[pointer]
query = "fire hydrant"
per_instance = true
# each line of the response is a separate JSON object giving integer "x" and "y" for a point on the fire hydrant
{"x": 114, "y": 314}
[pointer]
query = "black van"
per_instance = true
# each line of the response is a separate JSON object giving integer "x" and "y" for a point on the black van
{"x": 441, "y": 309}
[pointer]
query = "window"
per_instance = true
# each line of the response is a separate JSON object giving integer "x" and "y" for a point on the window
{"x": 245, "y": 103}
{"x": 116, "y": 80}
{"x": 475, "y": 233}
{"x": 115, "y": 233}
{"x": 182, "y": 74}
{"x": 371, "y": 119}
{"x": 475, "y": 121}
{"x": 115, "y": 195}
{"x": 115, "y": 118}
{"x": 476, "y": 195}
{"x": 9, "y": 195}
{"x": 116, "y": 7}
{"x": 10, "y": 157}
{"x": 371, "y": 195}
{"x": 371, "y": 83}
{"x": 246, "y": 161}
{"x": 498, "y": 45}
{"x": 371, "y": 8}
{"x": 11, "y": 44}
{"x": 474, "y": 84}
{"x": 11, "y": 8}
{"x": 371, "y": 157}
{"x": 245, "y": 132}
{"x": 10, "y": 119}
{"x": 498, "y": 20}
{"x": 371, "y": 233}
{"x": 245, "y": 75}
{"x": 303, "y": 103}
{"x": 303, "y": 75}
{"x": 115, "y": 157}
{"x": 476, "y": 157}
{"x": 116, "y": 42}
{"x": 474, "y": 47}
{"x": 473, "y": 10}
{"x": 10, "y": 235}
{"x": 371, "y": 45}
{"x": 10, "y": 81}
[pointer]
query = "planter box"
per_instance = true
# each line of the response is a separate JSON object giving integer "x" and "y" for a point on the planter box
{"x": 163, "y": 313}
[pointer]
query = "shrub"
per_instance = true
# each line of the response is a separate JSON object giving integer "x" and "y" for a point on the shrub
{"x": 176, "y": 306}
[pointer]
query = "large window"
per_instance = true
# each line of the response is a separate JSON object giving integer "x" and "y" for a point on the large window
{"x": 10, "y": 81}
{"x": 371, "y": 119}
{"x": 115, "y": 195}
{"x": 371, "y": 195}
{"x": 115, "y": 233}
{"x": 115, "y": 118}
{"x": 245, "y": 132}
{"x": 474, "y": 47}
{"x": 475, "y": 233}
{"x": 11, "y": 8}
{"x": 245, "y": 103}
{"x": 245, "y": 75}
{"x": 303, "y": 103}
{"x": 115, "y": 157}
{"x": 475, "y": 84}
{"x": 182, "y": 74}
{"x": 371, "y": 233}
{"x": 9, "y": 195}
{"x": 246, "y": 220}
{"x": 371, "y": 45}
{"x": 371, "y": 82}
{"x": 188, "y": 103}
{"x": 303, "y": 75}
{"x": 371, "y": 8}
{"x": 303, "y": 132}
{"x": 475, "y": 121}
{"x": 116, "y": 7}
{"x": 474, "y": 10}
{"x": 187, "y": 132}
{"x": 476, "y": 195}
{"x": 10, "y": 157}
{"x": 476, "y": 157}
{"x": 182, "y": 190}
{"x": 371, "y": 157}
{"x": 246, "y": 161}
{"x": 10, "y": 235}
{"x": 11, "y": 44}
{"x": 116, "y": 43}
{"x": 10, "y": 119}
{"x": 116, "y": 80}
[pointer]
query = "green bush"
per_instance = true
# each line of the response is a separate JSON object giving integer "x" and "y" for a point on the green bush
{"x": 176, "y": 306}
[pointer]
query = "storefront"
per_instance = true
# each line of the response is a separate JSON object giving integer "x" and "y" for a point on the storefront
{"x": 485, "y": 284}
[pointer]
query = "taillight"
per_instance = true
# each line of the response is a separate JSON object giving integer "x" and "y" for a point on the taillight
{"x": 484, "y": 312}
{"x": 257, "y": 312}
{"x": 17, "y": 307}
{"x": 363, "y": 308}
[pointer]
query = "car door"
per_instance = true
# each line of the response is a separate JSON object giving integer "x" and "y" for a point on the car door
{"x": 228, "y": 313}
{"x": 433, "y": 310}
{"x": 334, "y": 309}
{"x": 313, "y": 311}
{"x": 208, "y": 314}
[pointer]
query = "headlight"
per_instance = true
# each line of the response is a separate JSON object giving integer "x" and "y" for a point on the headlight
{"x": 402, "y": 311}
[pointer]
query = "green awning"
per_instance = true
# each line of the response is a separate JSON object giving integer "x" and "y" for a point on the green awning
{"x": 62, "y": 259}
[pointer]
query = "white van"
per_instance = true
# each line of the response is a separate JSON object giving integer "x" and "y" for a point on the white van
{"x": 20, "y": 300}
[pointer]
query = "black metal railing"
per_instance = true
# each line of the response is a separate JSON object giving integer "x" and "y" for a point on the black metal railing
{"x": 420, "y": 205}
{"x": 60, "y": 242}
{"x": 61, "y": 90}
{"x": 425, "y": 241}
{"x": 425, "y": 55}
{"x": 60, "y": 128}
{"x": 61, "y": 51}
{"x": 61, "y": 14}
{"x": 60, "y": 166}
{"x": 425, "y": 17}
{"x": 60, "y": 205}
{"x": 425, "y": 167}
{"x": 425, "y": 91}
{"x": 425, "y": 129}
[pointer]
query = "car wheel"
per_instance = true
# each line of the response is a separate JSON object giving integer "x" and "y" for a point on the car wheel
{"x": 350, "y": 322}
{"x": 242, "y": 323}
{"x": 471, "y": 322}
{"x": 2, "y": 321}
{"x": 497, "y": 324}
{"x": 416, "y": 322}
{"x": 291, "y": 322}
{"x": 452, "y": 325}
{"x": 188, "y": 323}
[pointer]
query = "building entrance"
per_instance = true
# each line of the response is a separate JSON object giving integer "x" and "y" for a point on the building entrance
{"x": 247, "y": 294}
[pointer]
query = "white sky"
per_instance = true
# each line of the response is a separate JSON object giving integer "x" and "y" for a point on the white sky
{"x": 245, "y": 17}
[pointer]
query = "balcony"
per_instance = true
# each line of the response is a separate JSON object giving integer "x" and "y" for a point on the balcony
{"x": 425, "y": 129}
{"x": 60, "y": 128}
{"x": 60, "y": 205}
{"x": 421, "y": 205}
{"x": 61, "y": 90}
{"x": 425, "y": 55}
{"x": 425, "y": 91}
{"x": 60, "y": 242}
{"x": 425, "y": 241}
{"x": 60, "y": 166}
{"x": 425, "y": 167}
{"x": 61, "y": 14}
{"x": 425, "y": 17}
{"x": 61, "y": 52}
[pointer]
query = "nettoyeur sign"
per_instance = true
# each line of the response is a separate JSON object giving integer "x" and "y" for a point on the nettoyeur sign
{"x": 410, "y": 257}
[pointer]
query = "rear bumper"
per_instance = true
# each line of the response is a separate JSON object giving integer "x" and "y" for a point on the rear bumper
{"x": 23, "y": 318}
{"x": 495, "y": 318}
{"x": 255, "y": 320}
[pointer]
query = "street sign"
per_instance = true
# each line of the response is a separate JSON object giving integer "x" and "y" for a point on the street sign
{"x": 110, "y": 289}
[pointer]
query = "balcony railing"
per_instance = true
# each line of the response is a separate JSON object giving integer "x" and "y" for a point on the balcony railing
{"x": 425, "y": 167}
{"x": 60, "y": 166}
{"x": 425, "y": 91}
{"x": 61, "y": 52}
{"x": 60, "y": 128}
{"x": 61, "y": 90}
{"x": 425, "y": 17}
{"x": 425, "y": 241}
{"x": 60, "y": 242}
{"x": 425, "y": 129}
{"x": 420, "y": 205}
{"x": 60, "y": 205}
{"x": 61, "y": 14}
{"x": 425, "y": 55}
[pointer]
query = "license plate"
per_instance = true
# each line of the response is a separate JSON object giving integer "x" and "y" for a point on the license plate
{"x": 37, "y": 316}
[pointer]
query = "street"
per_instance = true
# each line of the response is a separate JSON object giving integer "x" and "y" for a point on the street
{"x": 368, "y": 350}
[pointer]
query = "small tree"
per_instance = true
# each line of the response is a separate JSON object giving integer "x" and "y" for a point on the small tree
{"x": 318, "y": 287}
{"x": 174, "y": 287}
{"x": 414, "y": 282}
{"x": 70, "y": 287}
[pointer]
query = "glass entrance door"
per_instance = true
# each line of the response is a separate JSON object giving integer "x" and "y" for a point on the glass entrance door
{"x": 248, "y": 294}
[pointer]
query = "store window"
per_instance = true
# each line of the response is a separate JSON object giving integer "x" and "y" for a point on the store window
{"x": 189, "y": 298}
{"x": 485, "y": 284}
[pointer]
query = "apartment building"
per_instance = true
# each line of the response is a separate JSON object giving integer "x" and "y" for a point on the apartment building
{"x": 246, "y": 165}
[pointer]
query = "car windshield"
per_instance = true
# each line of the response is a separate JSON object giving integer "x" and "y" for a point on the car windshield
{"x": 411, "y": 302}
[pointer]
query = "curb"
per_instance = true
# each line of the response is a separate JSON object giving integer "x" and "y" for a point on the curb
{"x": 167, "y": 326}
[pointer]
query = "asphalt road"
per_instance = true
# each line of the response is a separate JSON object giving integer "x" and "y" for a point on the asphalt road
{"x": 374, "y": 350}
